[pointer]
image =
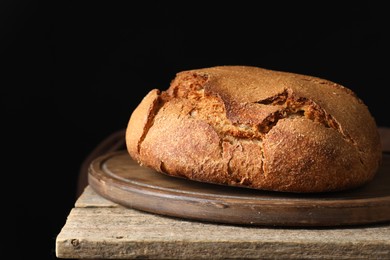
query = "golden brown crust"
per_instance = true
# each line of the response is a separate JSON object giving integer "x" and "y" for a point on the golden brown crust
{"x": 256, "y": 128}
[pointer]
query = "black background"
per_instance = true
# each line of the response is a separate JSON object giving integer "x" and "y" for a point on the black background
{"x": 74, "y": 71}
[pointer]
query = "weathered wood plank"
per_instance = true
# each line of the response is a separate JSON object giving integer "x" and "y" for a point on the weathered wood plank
{"x": 117, "y": 232}
{"x": 89, "y": 199}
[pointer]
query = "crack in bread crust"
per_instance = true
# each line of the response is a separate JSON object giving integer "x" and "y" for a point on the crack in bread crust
{"x": 293, "y": 106}
{"x": 154, "y": 108}
{"x": 213, "y": 110}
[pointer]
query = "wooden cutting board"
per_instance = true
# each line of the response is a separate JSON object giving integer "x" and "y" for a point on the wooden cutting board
{"x": 118, "y": 178}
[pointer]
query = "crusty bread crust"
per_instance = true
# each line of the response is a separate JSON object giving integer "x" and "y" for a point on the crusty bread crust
{"x": 256, "y": 128}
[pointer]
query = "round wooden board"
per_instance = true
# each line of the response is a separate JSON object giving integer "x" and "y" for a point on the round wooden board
{"x": 118, "y": 178}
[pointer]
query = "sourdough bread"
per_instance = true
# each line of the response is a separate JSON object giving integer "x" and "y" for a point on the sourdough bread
{"x": 256, "y": 128}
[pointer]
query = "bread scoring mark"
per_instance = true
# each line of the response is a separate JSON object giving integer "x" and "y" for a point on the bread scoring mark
{"x": 191, "y": 87}
{"x": 156, "y": 105}
{"x": 187, "y": 86}
{"x": 293, "y": 106}
{"x": 278, "y": 99}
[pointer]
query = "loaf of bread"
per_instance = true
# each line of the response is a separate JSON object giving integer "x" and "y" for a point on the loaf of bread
{"x": 256, "y": 128}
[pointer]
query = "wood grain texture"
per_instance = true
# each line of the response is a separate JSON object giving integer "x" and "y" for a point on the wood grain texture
{"x": 103, "y": 230}
{"x": 118, "y": 178}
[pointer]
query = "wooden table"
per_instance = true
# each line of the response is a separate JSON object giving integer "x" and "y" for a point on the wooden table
{"x": 98, "y": 228}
